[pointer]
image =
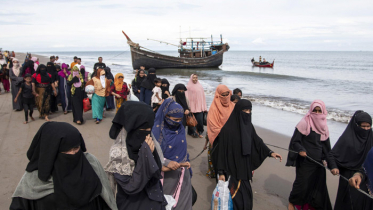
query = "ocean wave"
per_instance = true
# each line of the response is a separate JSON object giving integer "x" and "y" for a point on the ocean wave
{"x": 299, "y": 107}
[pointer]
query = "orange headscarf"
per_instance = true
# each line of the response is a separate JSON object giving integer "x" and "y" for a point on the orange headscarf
{"x": 220, "y": 110}
{"x": 118, "y": 82}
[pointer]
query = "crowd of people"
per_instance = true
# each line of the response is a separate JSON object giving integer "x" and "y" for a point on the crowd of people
{"x": 149, "y": 165}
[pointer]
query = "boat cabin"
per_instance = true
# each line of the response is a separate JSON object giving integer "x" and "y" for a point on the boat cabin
{"x": 199, "y": 47}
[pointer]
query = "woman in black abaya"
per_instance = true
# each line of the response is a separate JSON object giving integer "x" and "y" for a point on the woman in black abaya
{"x": 60, "y": 175}
{"x": 136, "y": 82}
{"x": 347, "y": 158}
{"x": 178, "y": 94}
{"x": 135, "y": 162}
{"x": 310, "y": 138}
{"x": 51, "y": 69}
{"x": 110, "y": 105}
{"x": 147, "y": 86}
{"x": 237, "y": 151}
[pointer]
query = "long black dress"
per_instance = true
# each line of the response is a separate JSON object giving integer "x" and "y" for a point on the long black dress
{"x": 77, "y": 100}
{"x": 310, "y": 183}
{"x": 348, "y": 155}
{"x": 138, "y": 187}
{"x": 236, "y": 152}
{"x": 79, "y": 181}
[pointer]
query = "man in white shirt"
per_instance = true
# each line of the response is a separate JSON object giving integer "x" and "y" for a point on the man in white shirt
{"x": 58, "y": 61}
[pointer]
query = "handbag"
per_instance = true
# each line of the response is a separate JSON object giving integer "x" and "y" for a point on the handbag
{"x": 86, "y": 105}
{"x": 191, "y": 120}
{"x": 205, "y": 118}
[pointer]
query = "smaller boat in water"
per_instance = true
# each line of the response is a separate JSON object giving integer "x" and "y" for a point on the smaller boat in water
{"x": 262, "y": 64}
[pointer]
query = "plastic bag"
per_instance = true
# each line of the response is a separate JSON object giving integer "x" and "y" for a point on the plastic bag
{"x": 89, "y": 89}
{"x": 170, "y": 201}
{"x": 86, "y": 105}
{"x": 221, "y": 197}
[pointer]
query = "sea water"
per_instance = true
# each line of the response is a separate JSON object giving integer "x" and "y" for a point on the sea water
{"x": 280, "y": 95}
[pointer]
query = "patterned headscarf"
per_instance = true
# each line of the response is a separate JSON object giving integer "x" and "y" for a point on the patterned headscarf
{"x": 169, "y": 133}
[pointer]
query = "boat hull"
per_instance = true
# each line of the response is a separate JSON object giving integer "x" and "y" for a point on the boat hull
{"x": 159, "y": 61}
{"x": 270, "y": 65}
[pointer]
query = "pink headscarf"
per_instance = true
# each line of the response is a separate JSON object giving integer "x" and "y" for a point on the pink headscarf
{"x": 196, "y": 96}
{"x": 36, "y": 63}
{"x": 60, "y": 73}
{"x": 314, "y": 121}
{"x": 76, "y": 73}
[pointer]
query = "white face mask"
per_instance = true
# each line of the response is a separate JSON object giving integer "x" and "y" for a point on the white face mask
{"x": 102, "y": 78}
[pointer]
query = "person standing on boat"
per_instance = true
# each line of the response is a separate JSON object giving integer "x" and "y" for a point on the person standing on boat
{"x": 310, "y": 139}
{"x": 147, "y": 86}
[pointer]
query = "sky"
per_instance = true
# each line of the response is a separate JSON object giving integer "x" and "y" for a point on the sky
{"x": 283, "y": 25}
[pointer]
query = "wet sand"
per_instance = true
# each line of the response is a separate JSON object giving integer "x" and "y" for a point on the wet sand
{"x": 271, "y": 184}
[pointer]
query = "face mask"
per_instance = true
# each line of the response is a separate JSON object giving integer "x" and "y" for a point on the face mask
{"x": 102, "y": 77}
{"x": 16, "y": 65}
{"x": 362, "y": 132}
{"x": 43, "y": 71}
{"x": 246, "y": 117}
{"x": 141, "y": 134}
{"x": 173, "y": 125}
{"x": 224, "y": 100}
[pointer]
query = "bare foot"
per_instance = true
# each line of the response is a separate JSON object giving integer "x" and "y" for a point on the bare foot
{"x": 65, "y": 112}
{"x": 78, "y": 122}
{"x": 46, "y": 119}
{"x": 291, "y": 207}
{"x": 200, "y": 136}
{"x": 25, "y": 122}
{"x": 33, "y": 119}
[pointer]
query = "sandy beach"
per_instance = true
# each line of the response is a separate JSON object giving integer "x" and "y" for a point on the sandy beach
{"x": 271, "y": 184}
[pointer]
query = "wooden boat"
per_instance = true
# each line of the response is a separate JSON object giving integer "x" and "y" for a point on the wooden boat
{"x": 202, "y": 54}
{"x": 265, "y": 65}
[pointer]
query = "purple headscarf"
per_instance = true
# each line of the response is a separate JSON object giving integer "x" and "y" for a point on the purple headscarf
{"x": 171, "y": 134}
{"x": 60, "y": 73}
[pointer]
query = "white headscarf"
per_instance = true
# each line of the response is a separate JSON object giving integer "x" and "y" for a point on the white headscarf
{"x": 102, "y": 79}
{"x": 16, "y": 67}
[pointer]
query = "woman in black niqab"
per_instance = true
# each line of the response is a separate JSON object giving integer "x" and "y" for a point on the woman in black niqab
{"x": 110, "y": 105}
{"x": 347, "y": 158}
{"x": 147, "y": 86}
{"x": 134, "y": 167}
{"x": 180, "y": 95}
{"x": 237, "y": 151}
{"x": 136, "y": 82}
{"x": 165, "y": 88}
{"x": 51, "y": 69}
{"x": 76, "y": 184}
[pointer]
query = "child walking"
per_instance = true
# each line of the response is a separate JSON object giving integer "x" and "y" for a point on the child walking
{"x": 28, "y": 99}
{"x": 157, "y": 94}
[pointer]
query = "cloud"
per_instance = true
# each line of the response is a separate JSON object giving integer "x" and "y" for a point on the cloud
{"x": 97, "y": 25}
{"x": 258, "y": 41}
